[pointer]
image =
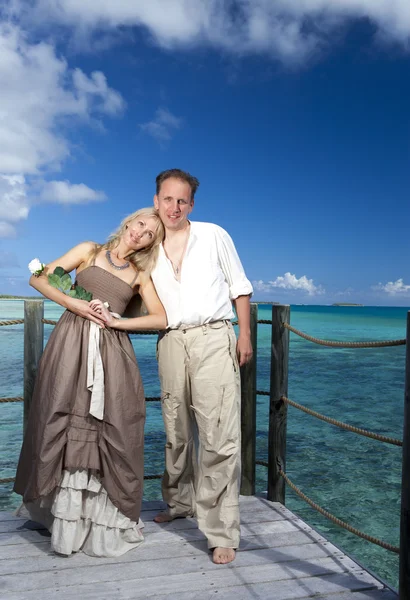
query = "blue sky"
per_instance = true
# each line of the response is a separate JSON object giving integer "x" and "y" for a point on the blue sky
{"x": 293, "y": 115}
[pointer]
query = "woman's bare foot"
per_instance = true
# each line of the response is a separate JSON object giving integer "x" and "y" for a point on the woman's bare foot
{"x": 223, "y": 556}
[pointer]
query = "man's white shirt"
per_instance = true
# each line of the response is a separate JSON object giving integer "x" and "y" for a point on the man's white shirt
{"x": 211, "y": 277}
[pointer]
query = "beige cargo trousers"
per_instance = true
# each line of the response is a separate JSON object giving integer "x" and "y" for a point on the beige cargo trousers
{"x": 200, "y": 385}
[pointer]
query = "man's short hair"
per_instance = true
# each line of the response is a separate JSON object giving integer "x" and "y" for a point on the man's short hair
{"x": 192, "y": 181}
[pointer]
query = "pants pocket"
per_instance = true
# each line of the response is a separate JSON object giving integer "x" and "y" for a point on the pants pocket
{"x": 232, "y": 349}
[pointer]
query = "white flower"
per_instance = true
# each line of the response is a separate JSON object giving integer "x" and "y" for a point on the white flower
{"x": 36, "y": 267}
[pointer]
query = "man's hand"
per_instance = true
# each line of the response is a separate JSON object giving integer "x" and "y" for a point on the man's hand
{"x": 244, "y": 350}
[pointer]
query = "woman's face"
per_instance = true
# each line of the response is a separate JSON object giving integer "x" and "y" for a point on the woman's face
{"x": 140, "y": 233}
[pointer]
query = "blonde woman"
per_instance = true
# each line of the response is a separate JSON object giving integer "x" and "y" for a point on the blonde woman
{"x": 81, "y": 466}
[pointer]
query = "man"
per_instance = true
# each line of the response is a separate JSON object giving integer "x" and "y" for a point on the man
{"x": 198, "y": 275}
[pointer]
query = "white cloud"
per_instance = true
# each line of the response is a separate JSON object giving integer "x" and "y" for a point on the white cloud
{"x": 290, "y": 282}
{"x": 13, "y": 198}
{"x": 39, "y": 96}
{"x": 261, "y": 286}
{"x": 162, "y": 126}
{"x": 64, "y": 192}
{"x": 289, "y": 30}
{"x": 7, "y": 230}
{"x": 394, "y": 288}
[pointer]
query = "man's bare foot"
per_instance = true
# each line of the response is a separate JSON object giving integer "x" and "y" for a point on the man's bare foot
{"x": 163, "y": 517}
{"x": 223, "y": 556}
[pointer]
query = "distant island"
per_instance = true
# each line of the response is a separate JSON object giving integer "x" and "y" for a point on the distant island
{"x": 8, "y": 297}
{"x": 346, "y": 304}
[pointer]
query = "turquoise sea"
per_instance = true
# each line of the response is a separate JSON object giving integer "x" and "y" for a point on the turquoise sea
{"x": 355, "y": 478}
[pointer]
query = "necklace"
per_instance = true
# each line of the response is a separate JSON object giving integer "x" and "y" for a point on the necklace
{"x": 177, "y": 265}
{"x": 113, "y": 265}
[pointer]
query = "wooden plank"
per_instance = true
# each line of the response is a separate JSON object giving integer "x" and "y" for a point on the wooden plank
{"x": 404, "y": 576}
{"x": 278, "y": 591}
{"x": 33, "y": 349}
{"x": 186, "y": 528}
{"x": 247, "y": 503}
{"x": 248, "y": 412}
{"x": 19, "y": 524}
{"x": 264, "y": 591}
{"x": 268, "y": 581}
{"x": 162, "y": 552}
{"x": 277, "y": 408}
{"x": 163, "y": 574}
{"x": 260, "y": 515}
{"x": 271, "y": 540}
{"x": 380, "y": 594}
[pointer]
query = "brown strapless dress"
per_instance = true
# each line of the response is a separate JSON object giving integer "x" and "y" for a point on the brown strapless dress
{"x": 80, "y": 476}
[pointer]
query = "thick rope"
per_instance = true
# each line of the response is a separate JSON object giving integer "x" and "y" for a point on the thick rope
{"x": 339, "y": 522}
{"x": 18, "y": 399}
{"x": 370, "y": 434}
{"x": 48, "y": 322}
{"x": 332, "y": 344}
{"x": 15, "y": 322}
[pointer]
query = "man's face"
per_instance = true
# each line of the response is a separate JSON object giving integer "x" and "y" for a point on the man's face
{"x": 174, "y": 203}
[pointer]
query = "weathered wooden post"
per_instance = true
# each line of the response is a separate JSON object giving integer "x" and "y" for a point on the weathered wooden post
{"x": 404, "y": 580}
{"x": 33, "y": 348}
{"x": 277, "y": 408}
{"x": 248, "y": 412}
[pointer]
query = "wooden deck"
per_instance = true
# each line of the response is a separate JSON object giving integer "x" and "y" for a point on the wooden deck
{"x": 280, "y": 558}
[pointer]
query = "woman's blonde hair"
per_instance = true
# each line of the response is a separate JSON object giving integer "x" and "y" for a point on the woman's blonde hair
{"x": 146, "y": 258}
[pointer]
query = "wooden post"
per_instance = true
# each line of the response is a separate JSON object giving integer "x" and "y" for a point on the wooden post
{"x": 248, "y": 412}
{"x": 278, "y": 408}
{"x": 33, "y": 348}
{"x": 404, "y": 579}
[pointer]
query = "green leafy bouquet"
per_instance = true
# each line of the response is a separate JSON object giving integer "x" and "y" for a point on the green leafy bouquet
{"x": 62, "y": 281}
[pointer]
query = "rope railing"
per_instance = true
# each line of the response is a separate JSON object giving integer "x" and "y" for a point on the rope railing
{"x": 336, "y": 520}
{"x": 52, "y": 322}
{"x": 329, "y": 515}
{"x": 352, "y": 428}
{"x": 333, "y": 344}
{"x": 329, "y": 343}
{"x": 20, "y": 399}
{"x": 16, "y": 399}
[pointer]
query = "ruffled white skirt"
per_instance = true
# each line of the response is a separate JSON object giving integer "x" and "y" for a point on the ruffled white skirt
{"x": 81, "y": 517}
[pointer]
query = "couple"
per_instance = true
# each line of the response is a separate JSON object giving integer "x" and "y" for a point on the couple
{"x": 81, "y": 466}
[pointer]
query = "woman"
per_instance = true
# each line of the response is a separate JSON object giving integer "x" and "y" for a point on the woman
{"x": 81, "y": 465}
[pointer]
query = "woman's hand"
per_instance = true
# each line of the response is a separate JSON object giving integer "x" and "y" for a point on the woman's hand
{"x": 85, "y": 310}
{"x": 99, "y": 307}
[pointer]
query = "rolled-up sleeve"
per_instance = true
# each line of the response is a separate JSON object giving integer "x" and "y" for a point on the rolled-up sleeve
{"x": 231, "y": 265}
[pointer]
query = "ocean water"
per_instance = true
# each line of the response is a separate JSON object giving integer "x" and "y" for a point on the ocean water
{"x": 355, "y": 478}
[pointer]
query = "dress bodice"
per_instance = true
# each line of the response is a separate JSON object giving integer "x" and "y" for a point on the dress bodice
{"x": 107, "y": 287}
